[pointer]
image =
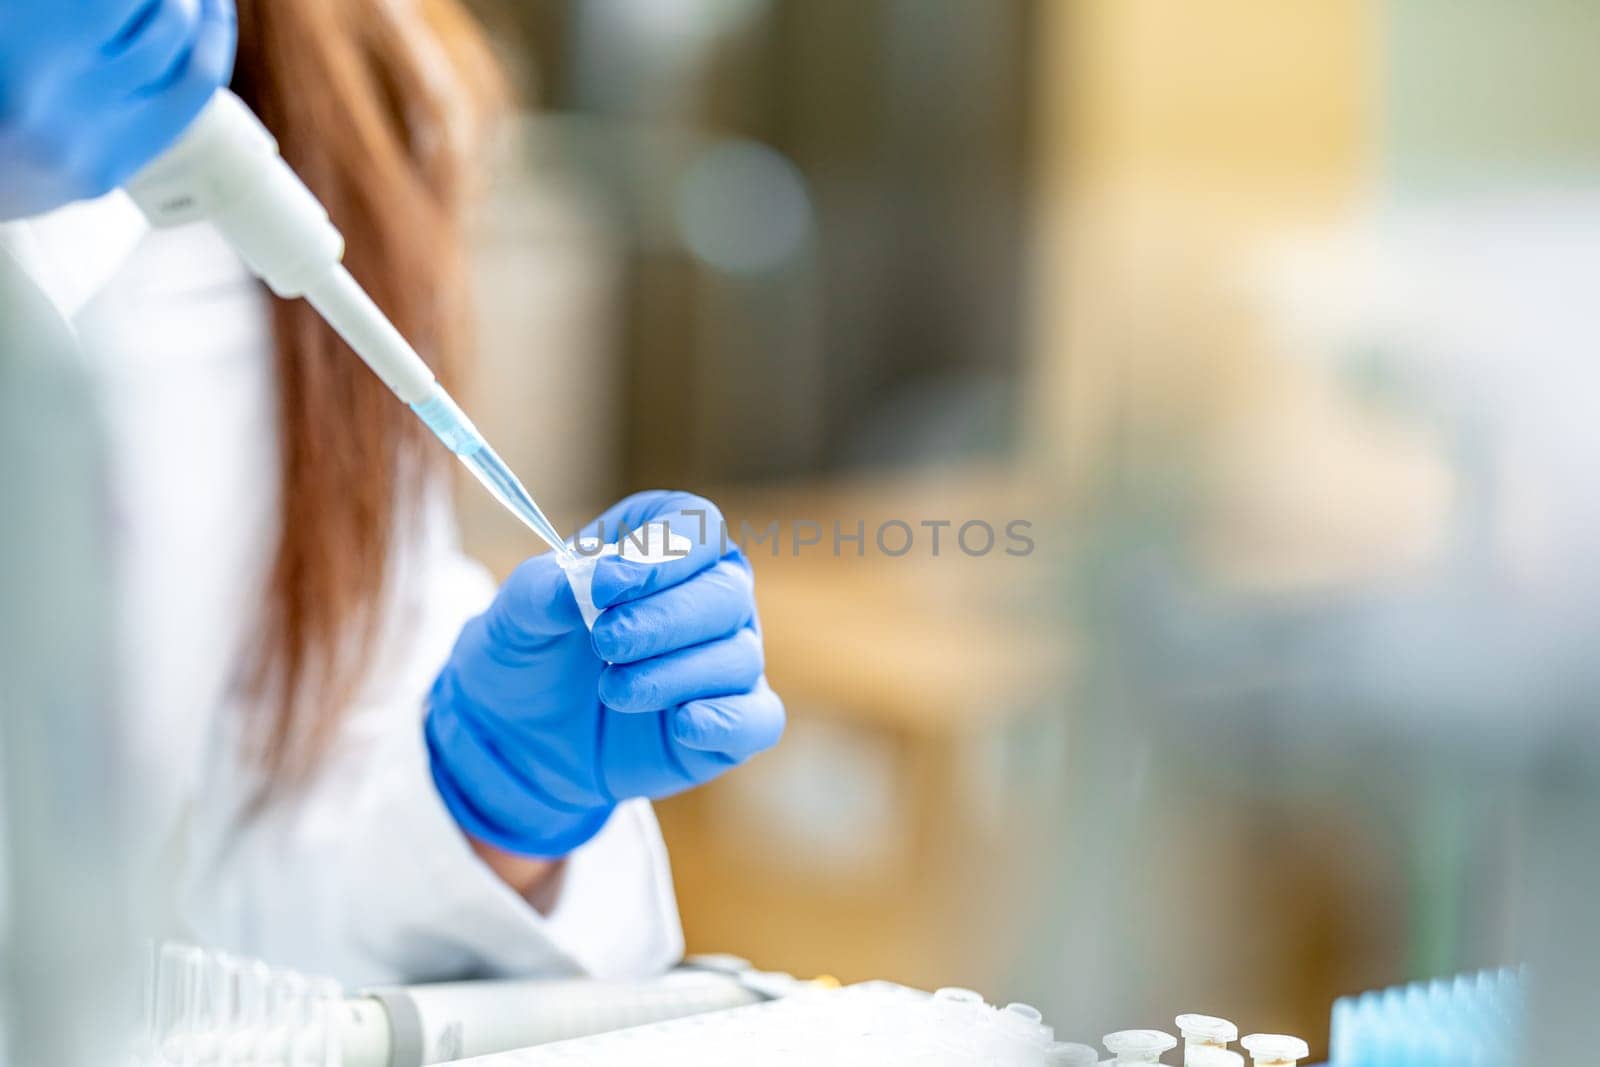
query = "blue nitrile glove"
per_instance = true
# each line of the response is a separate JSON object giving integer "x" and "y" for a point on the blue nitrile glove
{"x": 536, "y": 728}
{"x": 92, "y": 90}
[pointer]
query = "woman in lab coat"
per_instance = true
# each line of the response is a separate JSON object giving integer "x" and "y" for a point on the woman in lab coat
{"x": 369, "y": 763}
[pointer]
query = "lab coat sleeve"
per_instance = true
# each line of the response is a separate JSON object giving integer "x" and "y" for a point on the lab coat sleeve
{"x": 364, "y": 876}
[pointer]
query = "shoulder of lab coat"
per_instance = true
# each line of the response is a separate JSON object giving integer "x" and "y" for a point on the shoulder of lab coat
{"x": 364, "y": 875}
{"x": 73, "y": 251}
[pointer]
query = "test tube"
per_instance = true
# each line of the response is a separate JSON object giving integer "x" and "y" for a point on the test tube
{"x": 1275, "y": 1050}
{"x": 285, "y": 993}
{"x": 178, "y": 1004}
{"x": 1205, "y": 1031}
{"x": 222, "y": 974}
{"x": 329, "y": 1000}
{"x": 1138, "y": 1046}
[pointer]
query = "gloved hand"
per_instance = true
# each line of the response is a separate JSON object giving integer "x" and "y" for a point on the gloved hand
{"x": 536, "y": 728}
{"x": 91, "y": 90}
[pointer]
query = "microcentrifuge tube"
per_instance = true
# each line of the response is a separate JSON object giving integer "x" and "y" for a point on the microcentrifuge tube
{"x": 1070, "y": 1054}
{"x": 1026, "y": 1021}
{"x": 1211, "y": 1056}
{"x": 1138, "y": 1046}
{"x": 1205, "y": 1031}
{"x": 1275, "y": 1050}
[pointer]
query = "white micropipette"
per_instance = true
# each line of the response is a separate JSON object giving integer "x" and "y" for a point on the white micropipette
{"x": 225, "y": 168}
{"x": 351, "y": 312}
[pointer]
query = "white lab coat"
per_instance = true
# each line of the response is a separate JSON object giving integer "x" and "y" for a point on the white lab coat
{"x": 365, "y": 876}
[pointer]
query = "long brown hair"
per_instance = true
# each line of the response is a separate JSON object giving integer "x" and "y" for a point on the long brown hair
{"x": 374, "y": 103}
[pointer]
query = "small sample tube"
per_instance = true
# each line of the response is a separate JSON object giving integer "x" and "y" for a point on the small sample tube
{"x": 1138, "y": 1046}
{"x": 1071, "y": 1054}
{"x": 1211, "y": 1056}
{"x": 1275, "y": 1050}
{"x": 1025, "y": 1021}
{"x": 652, "y": 543}
{"x": 1205, "y": 1031}
{"x": 957, "y": 995}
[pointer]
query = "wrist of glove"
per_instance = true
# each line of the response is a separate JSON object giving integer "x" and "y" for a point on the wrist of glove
{"x": 537, "y": 728}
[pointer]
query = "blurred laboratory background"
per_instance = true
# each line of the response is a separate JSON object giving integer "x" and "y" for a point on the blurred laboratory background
{"x": 1274, "y": 323}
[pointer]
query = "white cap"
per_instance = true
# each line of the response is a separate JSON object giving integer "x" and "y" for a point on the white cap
{"x": 1139, "y": 1046}
{"x": 1025, "y": 1020}
{"x": 1275, "y": 1049}
{"x": 1206, "y": 1029}
{"x": 1211, "y": 1056}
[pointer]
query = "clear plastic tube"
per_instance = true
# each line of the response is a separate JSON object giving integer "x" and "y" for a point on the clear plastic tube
{"x": 1275, "y": 1050}
{"x": 209, "y": 1009}
{"x": 1204, "y": 1031}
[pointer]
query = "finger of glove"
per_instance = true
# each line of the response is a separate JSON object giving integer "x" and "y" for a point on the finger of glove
{"x": 158, "y": 113}
{"x": 534, "y": 606}
{"x": 99, "y": 21}
{"x": 713, "y": 604}
{"x": 151, "y": 48}
{"x": 131, "y": 18}
{"x": 208, "y": 64}
{"x": 639, "y": 508}
{"x": 639, "y": 757}
{"x": 164, "y": 108}
{"x": 691, "y": 517}
{"x": 718, "y": 668}
{"x": 734, "y": 726}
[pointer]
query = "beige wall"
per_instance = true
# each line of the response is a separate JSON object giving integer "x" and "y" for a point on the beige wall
{"x": 1172, "y": 138}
